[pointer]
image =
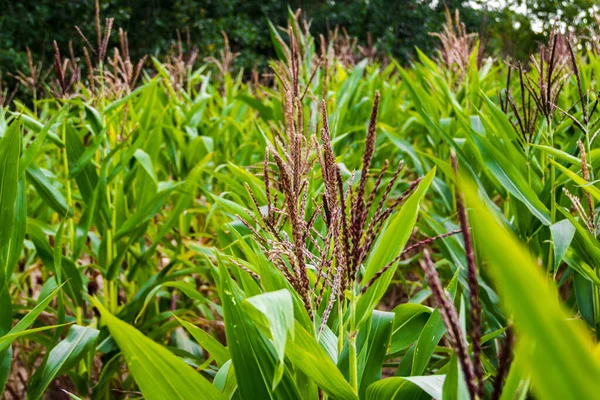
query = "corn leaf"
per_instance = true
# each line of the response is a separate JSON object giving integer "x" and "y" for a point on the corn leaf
{"x": 158, "y": 372}
{"x": 411, "y": 388}
{"x": 561, "y": 362}
{"x": 79, "y": 341}
{"x": 207, "y": 342}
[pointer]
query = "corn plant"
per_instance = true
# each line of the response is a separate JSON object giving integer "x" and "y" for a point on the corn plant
{"x": 341, "y": 228}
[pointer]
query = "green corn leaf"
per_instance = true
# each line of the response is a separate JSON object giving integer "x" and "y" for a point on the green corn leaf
{"x": 89, "y": 215}
{"x": 413, "y": 388}
{"x": 207, "y": 342}
{"x": 558, "y": 154}
{"x": 94, "y": 118}
{"x": 10, "y": 337}
{"x": 586, "y": 247}
{"x": 158, "y": 372}
{"x": 308, "y": 356}
{"x": 36, "y": 145}
{"x": 25, "y": 322}
{"x": 186, "y": 288}
{"x": 278, "y": 310}
{"x": 79, "y": 341}
{"x": 88, "y": 177}
{"x": 15, "y": 246}
{"x": 454, "y": 384}
{"x": 516, "y": 385}
{"x": 373, "y": 349}
{"x": 409, "y": 321}
{"x": 5, "y": 366}
{"x": 561, "y": 363}
{"x": 562, "y": 234}
{"x": 147, "y": 211}
{"x": 123, "y": 100}
{"x": 38, "y": 127}
{"x": 277, "y": 41}
{"x": 252, "y": 354}
{"x": 85, "y": 154}
{"x": 47, "y": 191}
{"x": 146, "y": 162}
{"x": 591, "y": 189}
{"x": 71, "y": 395}
{"x": 225, "y": 379}
{"x": 10, "y": 149}
{"x": 510, "y": 177}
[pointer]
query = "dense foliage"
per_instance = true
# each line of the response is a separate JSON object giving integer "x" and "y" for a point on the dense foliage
{"x": 343, "y": 229}
{"x": 395, "y": 27}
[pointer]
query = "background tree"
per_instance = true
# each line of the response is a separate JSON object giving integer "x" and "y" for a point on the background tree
{"x": 514, "y": 28}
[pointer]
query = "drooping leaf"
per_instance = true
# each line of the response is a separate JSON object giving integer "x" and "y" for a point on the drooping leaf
{"x": 562, "y": 235}
{"x": 561, "y": 361}
{"x": 158, "y": 372}
{"x": 308, "y": 355}
{"x": 252, "y": 354}
{"x": 278, "y": 310}
{"x": 47, "y": 191}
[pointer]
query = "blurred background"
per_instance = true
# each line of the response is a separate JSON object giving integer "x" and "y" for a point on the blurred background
{"x": 514, "y": 28}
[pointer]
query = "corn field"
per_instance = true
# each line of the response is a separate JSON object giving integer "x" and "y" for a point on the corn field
{"x": 338, "y": 227}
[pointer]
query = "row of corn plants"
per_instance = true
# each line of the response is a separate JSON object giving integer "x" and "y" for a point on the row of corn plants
{"x": 339, "y": 228}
